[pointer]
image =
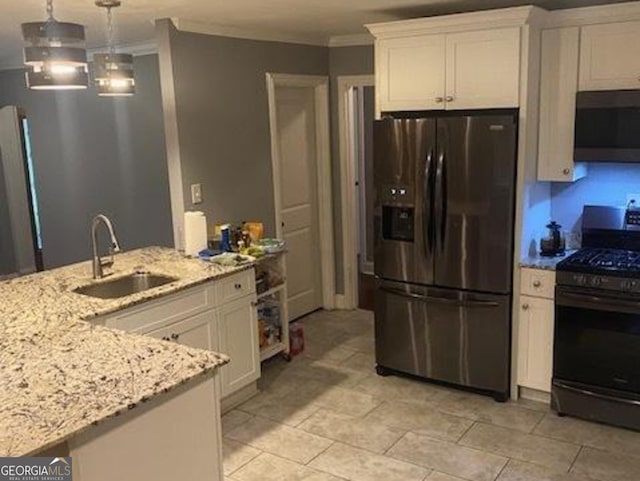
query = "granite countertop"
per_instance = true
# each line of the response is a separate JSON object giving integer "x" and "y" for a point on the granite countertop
{"x": 60, "y": 374}
{"x": 547, "y": 263}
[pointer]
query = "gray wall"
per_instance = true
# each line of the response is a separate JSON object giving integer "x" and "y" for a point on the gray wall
{"x": 223, "y": 119}
{"x": 343, "y": 61}
{"x": 95, "y": 154}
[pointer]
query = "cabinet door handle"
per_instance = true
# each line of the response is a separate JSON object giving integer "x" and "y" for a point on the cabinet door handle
{"x": 175, "y": 337}
{"x": 238, "y": 286}
{"x": 537, "y": 283}
{"x": 525, "y": 307}
{"x": 566, "y": 171}
{"x": 166, "y": 338}
{"x": 439, "y": 100}
{"x": 450, "y": 98}
{"x": 255, "y": 303}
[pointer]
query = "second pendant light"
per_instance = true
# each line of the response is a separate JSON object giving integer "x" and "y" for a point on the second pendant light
{"x": 113, "y": 71}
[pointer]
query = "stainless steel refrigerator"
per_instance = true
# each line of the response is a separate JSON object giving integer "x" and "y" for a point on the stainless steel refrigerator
{"x": 444, "y": 216}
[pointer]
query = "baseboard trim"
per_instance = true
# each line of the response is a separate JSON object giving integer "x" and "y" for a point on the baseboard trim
{"x": 535, "y": 395}
{"x": 341, "y": 301}
{"x": 234, "y": 400}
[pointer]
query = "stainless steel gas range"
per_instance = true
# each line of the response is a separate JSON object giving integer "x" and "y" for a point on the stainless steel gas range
{"x": 596, "y": 368}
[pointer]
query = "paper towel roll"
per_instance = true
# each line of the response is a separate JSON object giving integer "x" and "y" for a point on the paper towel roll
{"x": 195, "y": 233}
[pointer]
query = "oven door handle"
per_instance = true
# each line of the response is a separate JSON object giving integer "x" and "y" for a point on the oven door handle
{"x": 443, "y": 300}
{"x": 590, "y": 301}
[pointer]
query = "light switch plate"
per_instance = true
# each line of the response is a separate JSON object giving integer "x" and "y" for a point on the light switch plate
{"x": 196, "y": 193}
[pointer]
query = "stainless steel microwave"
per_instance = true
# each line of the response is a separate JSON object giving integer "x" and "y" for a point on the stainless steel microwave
{"x": 607, "y": 126}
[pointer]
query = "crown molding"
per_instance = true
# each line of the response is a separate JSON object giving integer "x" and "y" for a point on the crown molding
{"x": 357, "y": 39}
{"x": 193, "y": 26}
{"x": 485, "y": 19}
{"x": 572, "y": 17}
{"x": 135, "y": 49}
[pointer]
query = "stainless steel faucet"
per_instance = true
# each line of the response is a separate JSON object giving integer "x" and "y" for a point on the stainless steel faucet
{"x": 98, "y": 263}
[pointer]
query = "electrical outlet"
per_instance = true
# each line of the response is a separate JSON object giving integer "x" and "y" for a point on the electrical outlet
{"x": 633, "y": 200}
{"x": 196, "y": 193}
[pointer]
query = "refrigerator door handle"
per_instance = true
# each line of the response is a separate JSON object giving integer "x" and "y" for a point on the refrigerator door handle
{"x": 443, "y": 300}
{"x": 427, "y": 200}
{"x": 445, "y": 201}
{"x": 439, "y": 218}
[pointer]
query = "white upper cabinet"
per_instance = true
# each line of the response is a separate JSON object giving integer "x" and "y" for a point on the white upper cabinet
{"x": 558, "y": 88}
{"x": 609, "y": 58}
{"x": 483, "y": 69}
{"x": 468, "y": 70}
{"x": 410, "y": 73}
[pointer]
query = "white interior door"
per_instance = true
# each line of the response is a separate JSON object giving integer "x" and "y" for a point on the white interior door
{"x": 299, "y": 213}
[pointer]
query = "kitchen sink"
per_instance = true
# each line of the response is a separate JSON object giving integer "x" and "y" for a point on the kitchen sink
{"x": 125, "y": 286}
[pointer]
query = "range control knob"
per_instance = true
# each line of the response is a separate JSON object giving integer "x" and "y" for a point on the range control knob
{"x": 628, "y": 285}
{"x": 579, "y": 279}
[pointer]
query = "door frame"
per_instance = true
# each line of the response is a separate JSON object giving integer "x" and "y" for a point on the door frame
{"x": 320, "y": 85}
{"x": 349, "y": 214}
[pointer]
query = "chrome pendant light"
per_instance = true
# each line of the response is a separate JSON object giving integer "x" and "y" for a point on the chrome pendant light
{"x": 113, "y": 71}
{"x": 54, "y": 53}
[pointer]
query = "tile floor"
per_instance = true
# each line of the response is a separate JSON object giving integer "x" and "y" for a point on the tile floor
{"x": 326, "y": 416}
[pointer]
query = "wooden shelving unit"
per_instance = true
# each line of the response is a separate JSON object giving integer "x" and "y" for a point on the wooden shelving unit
{"x": 277, "y": 294}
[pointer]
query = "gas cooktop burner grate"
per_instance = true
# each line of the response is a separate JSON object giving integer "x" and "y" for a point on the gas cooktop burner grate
{"x": 605, "y": 259}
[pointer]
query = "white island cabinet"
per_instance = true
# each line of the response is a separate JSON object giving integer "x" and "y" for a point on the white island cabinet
{"x": 219, "y": 315}
{"x": 178, "y": 436}
{"x": 173, "y": 437}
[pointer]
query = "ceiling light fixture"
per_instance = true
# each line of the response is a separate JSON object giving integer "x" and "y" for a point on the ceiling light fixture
{"x": 113, "y": 71}
{"x": 54, "y": 54}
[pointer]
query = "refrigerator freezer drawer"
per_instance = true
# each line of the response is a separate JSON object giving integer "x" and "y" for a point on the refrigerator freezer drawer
{"x": 446, "y": 335}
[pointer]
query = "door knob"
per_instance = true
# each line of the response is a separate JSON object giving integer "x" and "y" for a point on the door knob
{"x": 439, "y": 100}
{"x": 537, "y": 283}
{"x": 525, "y": 307}
{"x": 450, "y": 98}
{"x": 566, "y": 171}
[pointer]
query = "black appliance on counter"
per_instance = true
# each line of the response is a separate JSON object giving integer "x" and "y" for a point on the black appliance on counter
{"x": 444, "y": 209}
{"x": 596, "y": 355}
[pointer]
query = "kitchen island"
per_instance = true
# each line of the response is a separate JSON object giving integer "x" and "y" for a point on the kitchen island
{"x": 64, "y": 378}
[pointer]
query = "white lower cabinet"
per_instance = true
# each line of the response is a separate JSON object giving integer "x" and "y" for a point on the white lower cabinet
{"x": 218, "y": 316}
{"x": 198, "y": 331}
{"x": 535, "y": 343}
{"x": 238, "y": 336}
{"x": 176, "y": 436}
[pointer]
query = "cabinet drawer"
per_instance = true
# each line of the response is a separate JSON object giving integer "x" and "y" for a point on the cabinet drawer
{"x": 538, "y": 282}
{"x": 235, "y": 287}
{"x": 155, "y": 314}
